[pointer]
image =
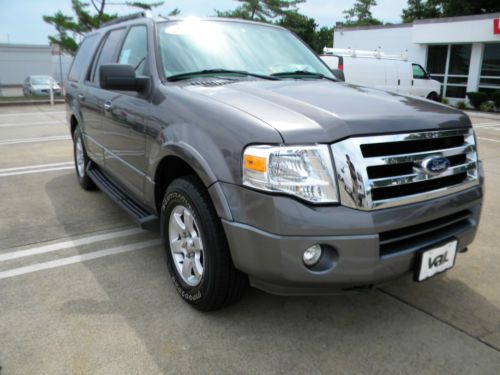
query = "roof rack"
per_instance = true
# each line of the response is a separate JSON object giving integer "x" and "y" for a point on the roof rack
{"x": 365, "y": 53}
{"x": 133, "y": 16}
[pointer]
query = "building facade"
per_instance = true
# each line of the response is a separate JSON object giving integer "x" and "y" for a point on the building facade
{"x": 463, "y": 53}
{"x": 17, "y": 61}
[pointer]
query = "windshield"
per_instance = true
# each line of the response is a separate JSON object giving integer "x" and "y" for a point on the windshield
{"x": 41, "y": 80}
{"x": 196, "y": 45}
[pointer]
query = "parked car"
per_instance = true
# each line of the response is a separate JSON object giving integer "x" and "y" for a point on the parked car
{"x": 387, "y": 72}
{"x": 258, "y": 166}
{"x": 40, "y": 85}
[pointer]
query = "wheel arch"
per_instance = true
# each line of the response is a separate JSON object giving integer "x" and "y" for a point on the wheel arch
{"x": 180, "y": 159}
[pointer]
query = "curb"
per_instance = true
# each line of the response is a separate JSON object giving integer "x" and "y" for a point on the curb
{"x": 29, "y": 102}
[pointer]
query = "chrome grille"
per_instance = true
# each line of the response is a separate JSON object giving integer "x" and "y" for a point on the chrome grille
{"x": 384, "y": 171}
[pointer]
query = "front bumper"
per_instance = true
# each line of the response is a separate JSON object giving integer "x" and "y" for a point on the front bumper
{"x": 268, "y": 235}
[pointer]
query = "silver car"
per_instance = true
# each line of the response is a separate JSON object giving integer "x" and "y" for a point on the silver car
{"x": 40, "y": 85}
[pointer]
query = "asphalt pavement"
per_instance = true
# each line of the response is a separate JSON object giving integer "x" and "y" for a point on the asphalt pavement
{"x": 84, "y": 291}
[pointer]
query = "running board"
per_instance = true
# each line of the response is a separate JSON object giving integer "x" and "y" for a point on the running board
{"x": 143, "y": 217}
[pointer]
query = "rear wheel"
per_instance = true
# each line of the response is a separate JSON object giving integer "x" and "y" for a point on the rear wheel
{"x": 197, "y": 252}
{"x": 81, "y": 161}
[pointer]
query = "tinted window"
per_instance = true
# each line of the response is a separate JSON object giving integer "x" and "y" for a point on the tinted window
{"x": 419, "y": 72}
{"x": 436, "y": 59}
{"x": 491, "y": 60}
{"x": 459, "y": 59}
{"x": 108, "y": 51}
{"x": 135, "y": 49}
{"x": 82, "y": 58}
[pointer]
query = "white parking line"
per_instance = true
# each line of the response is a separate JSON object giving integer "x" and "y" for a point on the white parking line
{"x": 487, "y": 125}
{"x": 489, "y": 139}
{"x": 35, "y": 140}
{"x": 31, "y": 113}
{"x": 39, "y": 168}
{"x": 77, "y": 259}
{"x": 22, "y": 124}
{"x": 36, "y": 171}
{"x": 68, "y": 244}
{"x": 15, "y": 169}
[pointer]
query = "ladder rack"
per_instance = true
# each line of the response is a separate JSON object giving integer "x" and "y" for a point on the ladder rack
{"x": 365, "y": 53}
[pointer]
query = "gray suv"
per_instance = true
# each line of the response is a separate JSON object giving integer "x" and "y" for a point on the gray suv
{"x": 258, "y": 167}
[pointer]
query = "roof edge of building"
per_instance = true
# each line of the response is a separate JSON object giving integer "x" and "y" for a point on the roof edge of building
{"x": 372, "y": 27}
{"x": 420, "y": 22}
{"x": 16, "y": 45}
{"x": 458, "y": 18}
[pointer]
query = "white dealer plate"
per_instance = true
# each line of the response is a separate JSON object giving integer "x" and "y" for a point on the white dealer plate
{"x": 436, "y": 260}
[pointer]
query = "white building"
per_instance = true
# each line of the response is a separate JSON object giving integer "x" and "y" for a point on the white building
{"x": 17, "y": 61}
{"x": 463, "y": 53}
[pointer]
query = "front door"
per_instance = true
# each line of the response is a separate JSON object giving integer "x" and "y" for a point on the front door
{"x": 124, "y": 120}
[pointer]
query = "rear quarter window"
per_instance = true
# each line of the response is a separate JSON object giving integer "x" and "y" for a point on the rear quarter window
{"x": 82, "y": 58}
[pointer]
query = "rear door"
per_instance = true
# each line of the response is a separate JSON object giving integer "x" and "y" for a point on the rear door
{"x": 364, "y": 71}
{"x": 92, "y": 97}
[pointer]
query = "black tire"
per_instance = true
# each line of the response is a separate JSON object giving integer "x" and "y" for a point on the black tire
{"x": 83, "y": 179}
{"x": 433, "y": 96}
{"x": 221, "y": 283}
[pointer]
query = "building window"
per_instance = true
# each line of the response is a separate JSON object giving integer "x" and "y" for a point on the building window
{"x": 449, "y": 64}
{"x": 489, "y": 81}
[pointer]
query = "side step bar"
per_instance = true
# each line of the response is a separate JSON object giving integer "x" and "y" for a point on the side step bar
{"x": 143, "y": 217}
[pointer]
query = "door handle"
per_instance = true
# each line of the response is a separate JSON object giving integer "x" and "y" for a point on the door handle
{"x": 412, "y": 82}
{"x": 107, "y": 106}
{"x": 81, "y": 97}
{"x": 399, "y": 82}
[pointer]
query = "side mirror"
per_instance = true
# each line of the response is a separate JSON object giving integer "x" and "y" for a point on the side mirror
{"x": 121, "y": 77}
{"x": 339, "y": 74}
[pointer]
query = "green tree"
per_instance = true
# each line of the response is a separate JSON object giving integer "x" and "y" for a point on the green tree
{"x": 422, "y": 9}
{"x": 301, "y": 25}
{"x": 360, "y": 14}
{"x": 324, "y": 38}
{"x": 86, "y": 19}
{"x": 261, "y": 10}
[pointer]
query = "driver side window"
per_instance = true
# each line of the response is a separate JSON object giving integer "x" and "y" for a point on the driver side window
{"x": 419, "y": 72}
{"x": 135, "y": 49}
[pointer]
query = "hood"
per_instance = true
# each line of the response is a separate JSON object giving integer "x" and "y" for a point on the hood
{"x": 305, "y": 111}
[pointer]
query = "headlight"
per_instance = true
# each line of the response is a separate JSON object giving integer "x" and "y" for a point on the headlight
{"x": 303, "y": 171}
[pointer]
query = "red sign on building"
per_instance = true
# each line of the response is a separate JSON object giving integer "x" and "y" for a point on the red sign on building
{"x": 496, "y": 26}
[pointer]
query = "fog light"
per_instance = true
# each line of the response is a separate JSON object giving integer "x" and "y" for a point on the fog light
{"x": 312, "y": 255}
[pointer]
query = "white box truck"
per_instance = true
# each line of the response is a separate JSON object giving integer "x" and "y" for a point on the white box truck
{"x": 379, "y": 70}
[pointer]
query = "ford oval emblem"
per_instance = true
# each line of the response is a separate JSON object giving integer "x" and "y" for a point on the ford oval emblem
{"x": 436, "y": 164}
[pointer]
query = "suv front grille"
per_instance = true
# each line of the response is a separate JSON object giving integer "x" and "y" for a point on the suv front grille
{"x": 388, "y": 170}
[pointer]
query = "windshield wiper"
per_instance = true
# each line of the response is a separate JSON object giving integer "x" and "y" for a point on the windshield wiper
{"x": 181, "y": 76}
{"x": 302, "y": 73}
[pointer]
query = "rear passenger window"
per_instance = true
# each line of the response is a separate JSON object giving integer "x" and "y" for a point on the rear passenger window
{"x": 108, "y": 52}
{"x": 82, "y": 58}
{"x": 135, "y": 49}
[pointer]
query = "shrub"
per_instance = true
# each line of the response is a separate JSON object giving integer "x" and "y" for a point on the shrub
{"x": 477, "y": 98}
{"x": 461, "y": 105}
{"x": 496, "y": 99}
{"x": 444, "y": 100}
{"x": 487, "y": 107}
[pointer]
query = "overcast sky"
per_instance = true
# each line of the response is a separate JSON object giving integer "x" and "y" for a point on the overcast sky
{"x": 21, "y": 20}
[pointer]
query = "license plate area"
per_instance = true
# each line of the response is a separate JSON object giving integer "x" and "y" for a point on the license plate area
{"x": 435, "y": 260}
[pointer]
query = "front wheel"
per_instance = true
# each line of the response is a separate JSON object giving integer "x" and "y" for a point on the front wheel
{"x": 197, "y": 252}
{"x": 433, "y": 96}
{"x": 81, "y": 161}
